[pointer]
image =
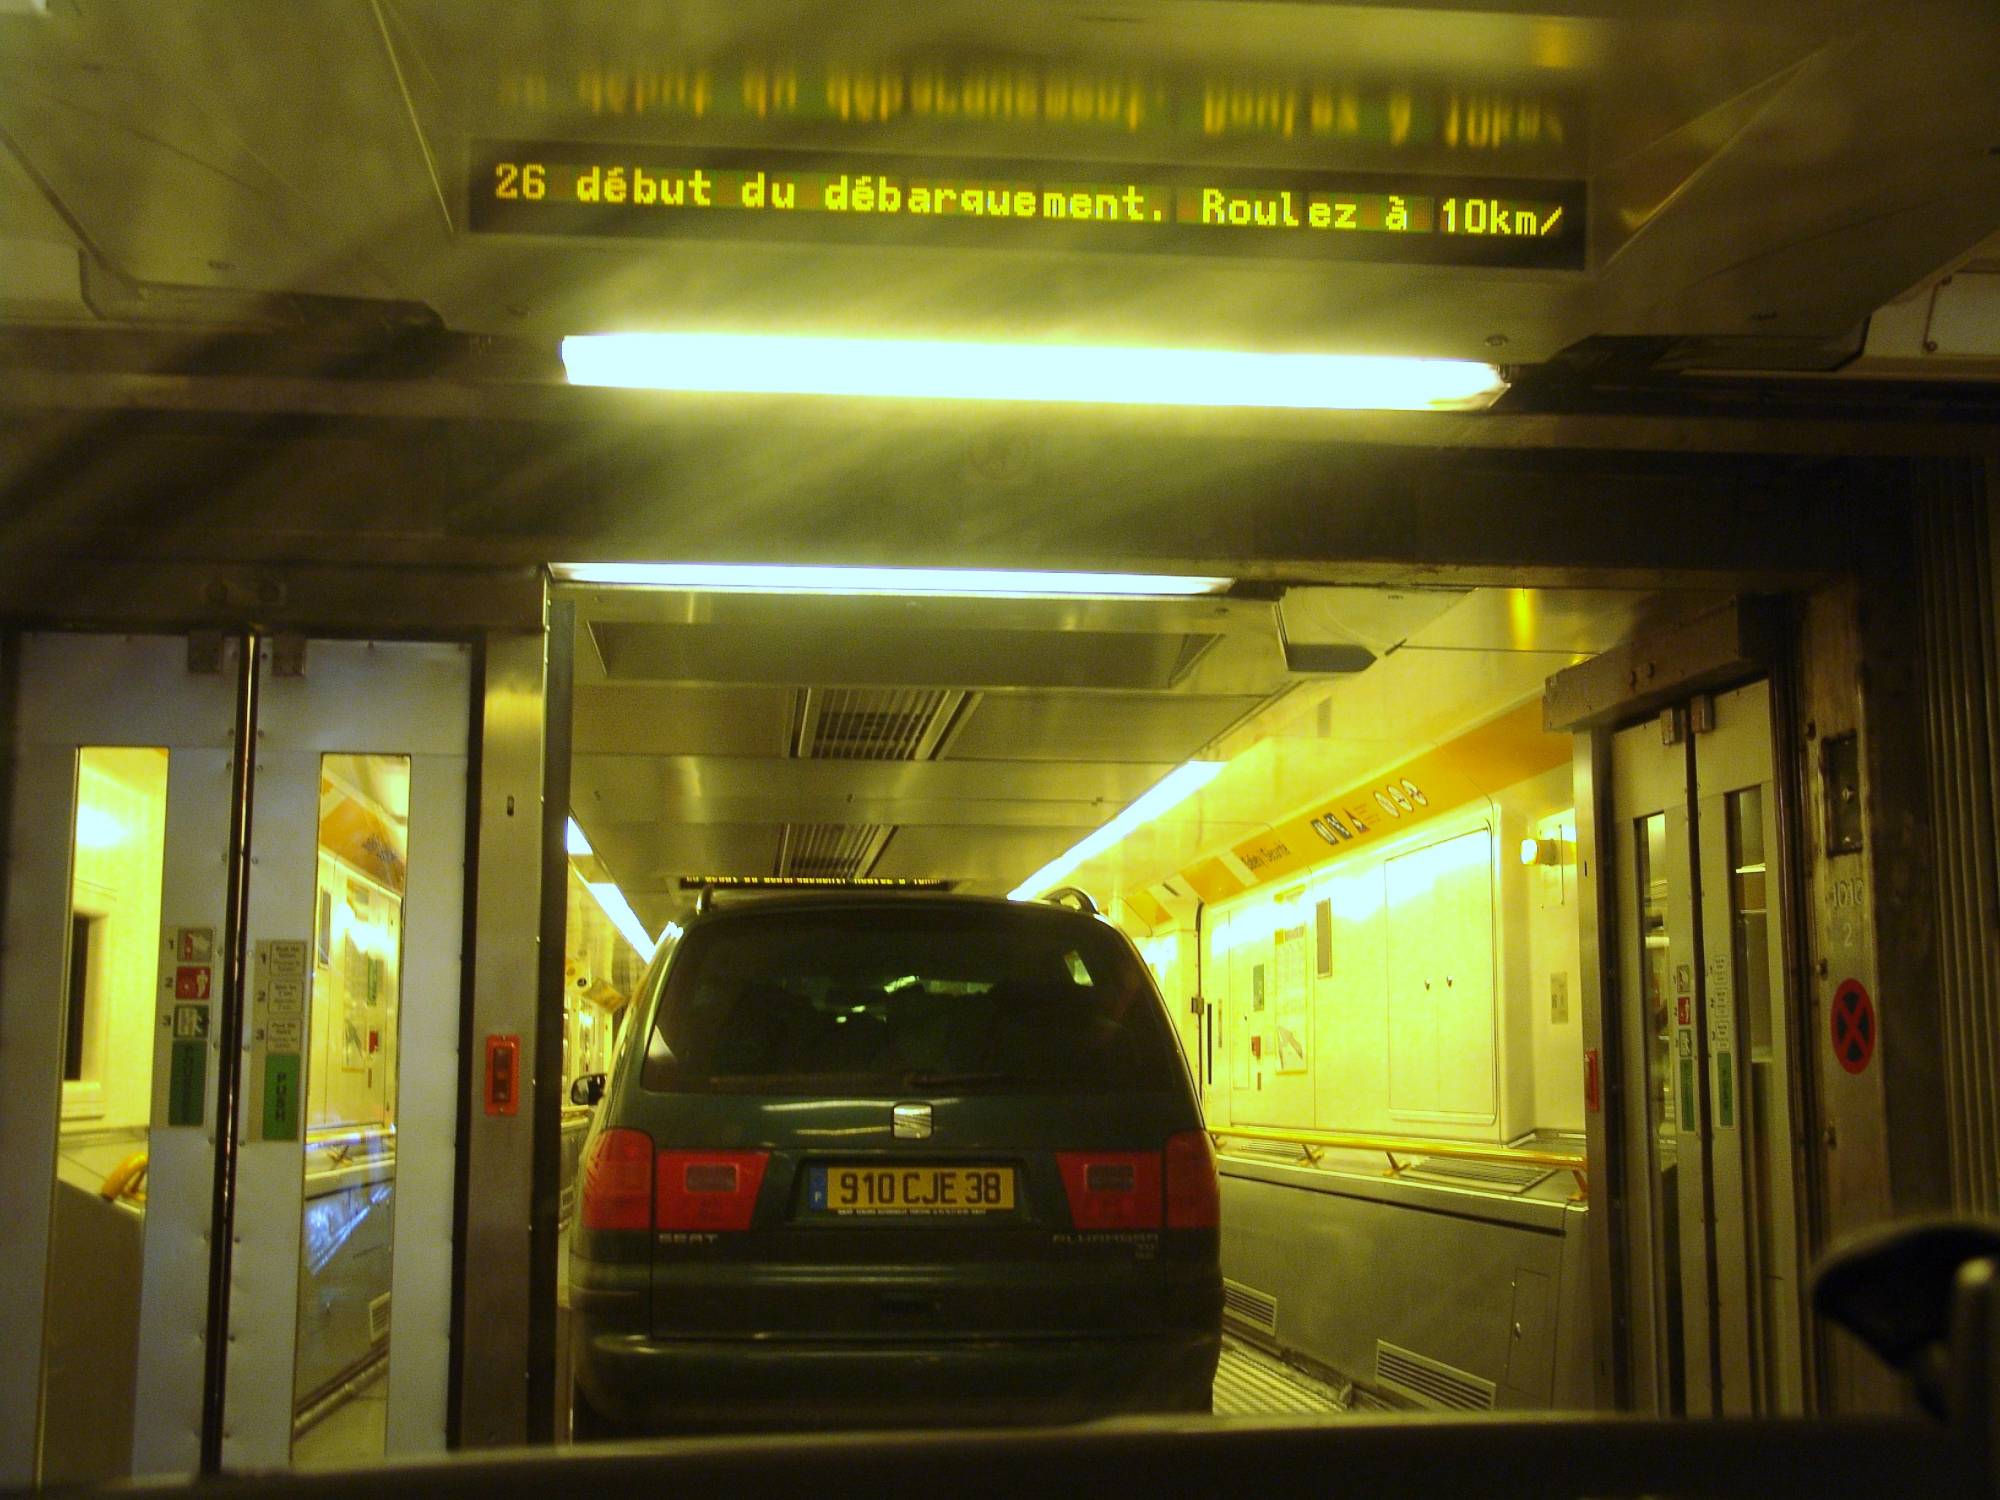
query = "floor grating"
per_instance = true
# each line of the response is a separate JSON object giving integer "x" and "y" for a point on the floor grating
{"x": 1251, "y": 1383}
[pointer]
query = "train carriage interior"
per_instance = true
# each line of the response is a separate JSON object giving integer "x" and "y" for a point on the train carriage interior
{"x": 1464, "y": 530}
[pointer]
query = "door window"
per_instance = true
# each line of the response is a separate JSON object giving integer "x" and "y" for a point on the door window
{"x": 90, "y": 1336}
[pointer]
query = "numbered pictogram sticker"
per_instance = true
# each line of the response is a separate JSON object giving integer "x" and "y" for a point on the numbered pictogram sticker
{"x": 1853, "y": 1026}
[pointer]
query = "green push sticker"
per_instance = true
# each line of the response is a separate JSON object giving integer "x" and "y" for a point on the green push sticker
{"x": 281, "y": 1096}
{"x": 1725, "y": 1091}
{"x": 187, "y": 1082}
{"x": 1687, "y": 1095}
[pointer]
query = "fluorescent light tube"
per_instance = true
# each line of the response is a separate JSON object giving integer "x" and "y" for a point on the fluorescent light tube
{"x": 979, "y": 583}
{"x": 1176, "y": 787}
{"x": 623, "y": 917}
{"x": 768, "y": 364}
{"x": 574, "y": 841}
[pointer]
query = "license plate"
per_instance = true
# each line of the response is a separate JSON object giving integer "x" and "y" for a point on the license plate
{"x": 911, "y": 1190}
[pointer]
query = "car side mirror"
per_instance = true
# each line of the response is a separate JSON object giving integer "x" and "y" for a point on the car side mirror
{"x": 587, "y": 1089}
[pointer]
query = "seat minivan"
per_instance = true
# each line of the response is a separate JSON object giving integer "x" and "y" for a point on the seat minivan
{"x": 871, "y": 1160}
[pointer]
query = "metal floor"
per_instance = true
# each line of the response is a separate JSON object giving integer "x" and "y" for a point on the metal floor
{"x": 1251, "y": 1383}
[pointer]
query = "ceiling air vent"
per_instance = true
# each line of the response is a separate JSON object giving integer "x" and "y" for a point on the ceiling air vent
{"x": 1246, "y": 1305}
{"x": 874, "y": 723}
{"x": 1430, "y": 1382}
{"x": 830, "y": 851}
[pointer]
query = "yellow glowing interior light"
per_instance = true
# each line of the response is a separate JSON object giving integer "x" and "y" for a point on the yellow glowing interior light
{"x": 1176, "y": 787}
{"x": 983, "y": 583}
{"x": 574, "y": 841}
{"x": 771, "y": 364}
{"x": 623, "y": 917}
{"x": 98, "y": 828}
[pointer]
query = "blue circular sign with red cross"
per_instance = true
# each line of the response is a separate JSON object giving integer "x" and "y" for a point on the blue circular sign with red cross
{"x": 1853, "y": 1026}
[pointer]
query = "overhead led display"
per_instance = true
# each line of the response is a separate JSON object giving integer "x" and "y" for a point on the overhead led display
{"x": 573, "y": 189}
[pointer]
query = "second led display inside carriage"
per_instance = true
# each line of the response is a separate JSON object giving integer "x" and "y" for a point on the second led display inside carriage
{"x": 565, "y": 189}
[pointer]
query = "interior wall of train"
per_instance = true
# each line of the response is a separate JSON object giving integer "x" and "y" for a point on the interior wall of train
{"x": 1509, "y": 927}
{"x": 1393, "y": 974}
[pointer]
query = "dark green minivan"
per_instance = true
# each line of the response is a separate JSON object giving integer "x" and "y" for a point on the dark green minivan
{"x": 873, "y": 1160}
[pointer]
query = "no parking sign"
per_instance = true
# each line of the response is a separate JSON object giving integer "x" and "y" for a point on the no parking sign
{"x": 1853, "y": 1026}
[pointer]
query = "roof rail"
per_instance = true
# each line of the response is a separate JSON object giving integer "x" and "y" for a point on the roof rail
{"x": 1073, "y": 898}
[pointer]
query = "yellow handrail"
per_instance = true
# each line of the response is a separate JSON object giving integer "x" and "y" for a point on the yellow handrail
{"x": 126, "y": 1180}
{"x": 1313, "y": 1142}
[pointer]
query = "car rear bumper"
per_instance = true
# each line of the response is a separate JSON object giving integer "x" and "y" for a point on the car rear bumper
{"x": 640, "y": 1384}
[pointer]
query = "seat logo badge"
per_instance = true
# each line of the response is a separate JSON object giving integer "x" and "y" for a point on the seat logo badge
{"x": 911, "y": 1122}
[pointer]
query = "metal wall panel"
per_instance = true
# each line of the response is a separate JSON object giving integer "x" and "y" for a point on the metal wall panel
{"x": 180, "y": 1168}
{"x": 38, "y": 879}
{"x": 1962, "y": 730}
{"x": 427, "y": 1096}
{"x": 1352, "y": 1259}
{"x": 497, "y": 1150}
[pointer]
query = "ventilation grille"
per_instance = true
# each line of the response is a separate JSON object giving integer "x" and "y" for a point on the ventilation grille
{"x": 832, "y": 851}
{"x": 874, "y": 724}
{"x": 1495, "y": 1176}
{"x": 1430, "y": 1382}
{"x": 378, "y": 1319}
{"x": 1249, "y": 1307}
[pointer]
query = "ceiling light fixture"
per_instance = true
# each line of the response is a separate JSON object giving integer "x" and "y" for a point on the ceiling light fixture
{"x": 1096, "y": 375}
{"x": 574, "y": 841}
{"x": 958, "y": 583}
{"x": 1176, "y": 787}
{"x": 623, "y": 917}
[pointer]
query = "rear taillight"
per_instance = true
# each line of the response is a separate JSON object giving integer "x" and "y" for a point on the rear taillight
{"x": 1194, "y": 1198}
{"x": 618, "y": 1181}
{"x": 1111, "y": 1189}
{"x": 708, "y": 1189}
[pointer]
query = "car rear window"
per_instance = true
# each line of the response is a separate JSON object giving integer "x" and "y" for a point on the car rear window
{"x": 906, "y": 998}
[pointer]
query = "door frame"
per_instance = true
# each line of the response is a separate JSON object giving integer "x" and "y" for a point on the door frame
{"x": 501, "y": 614}
{"x": 1747, "y": 639}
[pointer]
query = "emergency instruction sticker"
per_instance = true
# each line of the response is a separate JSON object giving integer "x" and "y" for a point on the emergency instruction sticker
{"x": 277, "y": 1040}
{"x": 187, "y": 997}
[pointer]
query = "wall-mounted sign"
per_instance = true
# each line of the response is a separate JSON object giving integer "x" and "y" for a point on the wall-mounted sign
{"x": 1853, "y": 1026}
{"x": 657, "y": 192}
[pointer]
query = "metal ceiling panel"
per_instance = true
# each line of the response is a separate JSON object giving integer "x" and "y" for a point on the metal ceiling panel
{"x": 637, "y": 787}
{"x": 1561, "y": 620}
{"x": 1150, "y": 728}
{"x": 984, "y": 861}
{"x": 960, "y": 658}
{"x": 691, "y": 719}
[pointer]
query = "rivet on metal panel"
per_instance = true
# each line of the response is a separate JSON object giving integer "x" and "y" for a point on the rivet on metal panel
{"x": 204, "y": 656}
{"x": 288, "y": 656}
